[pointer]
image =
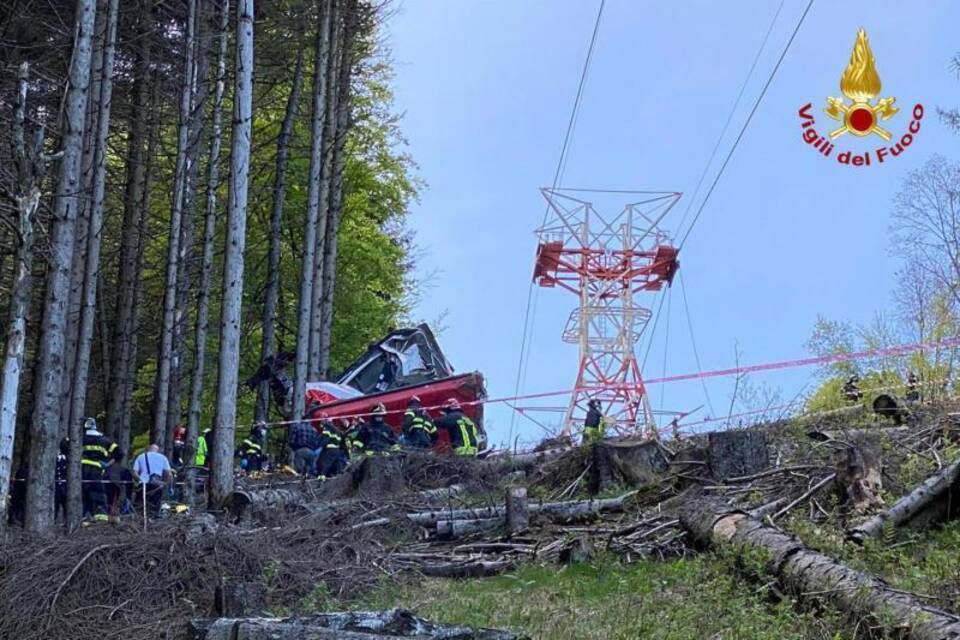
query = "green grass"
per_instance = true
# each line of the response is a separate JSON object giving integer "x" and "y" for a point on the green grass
{"x": 680, "y": 599}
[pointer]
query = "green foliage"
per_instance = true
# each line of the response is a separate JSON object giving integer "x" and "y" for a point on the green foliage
{"x": 678, "y": 599}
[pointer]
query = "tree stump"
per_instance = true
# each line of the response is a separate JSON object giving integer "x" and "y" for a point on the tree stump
{"x": 736, "y": 453}
{"x": 577, "y": 550}
{"x": 859, "y": 476}
{"x": 630, "y": 462}
{"x": 237, "y": 599}
{"x": 379, "y": 475}
{"x": 518, "y": 510}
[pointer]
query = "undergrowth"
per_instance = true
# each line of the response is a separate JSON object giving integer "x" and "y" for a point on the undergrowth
{"x": 687, "y": 598}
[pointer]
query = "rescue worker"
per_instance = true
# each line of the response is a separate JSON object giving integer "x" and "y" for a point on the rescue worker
{"x": 376, "y": 435}
{"x": 204, "y": 446}
{"x": 333, "y": 456}
{"x": 462, "y": 430}
{"x": 351, "y": 438}
{"x": 251, "y": 450}
{"x": 913, "y": 390}
{"x": 851, "y": 389}
{"x": 97, "y": 452}
{"x": 419, "y": 431}
{"x": 593, "y": 425}
{"x": 119, "y": 482}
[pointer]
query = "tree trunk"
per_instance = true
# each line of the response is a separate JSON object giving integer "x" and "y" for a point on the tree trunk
{"x": 304, "y": 315}
{"x": 133, "y": 214}
{"x": 343, "y": 112}
{"x": 335, "y": 36}
{"x": 737, "y": 452}
{"x": 806, "y": 573}
{"x": 221, "y": 472}
{"x": 268, "y": 346}
{"x": 91, "y": 270}
{"x": 162, "y": 384}
{"x": 50, "y": 361}
{"x": 209, "y": 231}
{"x": 29, "y": 164}
{"x": 82, "y": 225}
{"x": 936, "y": 487}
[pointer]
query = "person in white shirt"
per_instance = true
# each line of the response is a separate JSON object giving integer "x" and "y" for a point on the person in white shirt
{"x": 153, "y": 469}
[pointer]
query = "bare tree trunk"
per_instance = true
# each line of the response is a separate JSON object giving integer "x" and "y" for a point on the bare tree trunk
{"x": 209, "y": 231}
{"x": 133, "y": 215}
{"x": 194, "y": 151}
{"x": 268, "y": 346}
{"x": 162, "y": 387}
{"x": 82, "y": 225}
{"x": 30, "y": 167}
{"x": 343, "y": 111}
{"x": 221, "y": 471}
{"x": 335, "y": 30}
{"x": 304, "y": 315}
{"x": 92, "y": 266}
{"x": 50, "y": 361}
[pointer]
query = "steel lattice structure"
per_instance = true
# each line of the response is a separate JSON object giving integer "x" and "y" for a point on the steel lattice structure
{"x": 607, "y": 261}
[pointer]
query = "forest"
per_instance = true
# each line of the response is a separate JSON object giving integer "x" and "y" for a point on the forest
{"x": 186, "y": 188}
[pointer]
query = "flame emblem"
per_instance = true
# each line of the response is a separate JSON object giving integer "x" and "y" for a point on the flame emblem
{"x": 860, "y": 83}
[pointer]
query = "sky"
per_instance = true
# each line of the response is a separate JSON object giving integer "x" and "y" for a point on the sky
{"x": 486, "y": 89}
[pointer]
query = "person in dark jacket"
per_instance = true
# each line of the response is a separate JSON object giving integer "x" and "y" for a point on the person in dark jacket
{"x": 593, "y": 426}
{"x": 419, "y": 431}
{"x": 333, "y": 453}
{"x": 376, "y": 435}
{"x": 304, "y": 442}
{"x": 97, "y": 451}
{"x": 461, "y": 429}
{"x": 119, "y": 485}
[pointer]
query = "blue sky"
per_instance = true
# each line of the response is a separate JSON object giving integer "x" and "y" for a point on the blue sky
{"x": 487, "y": 87}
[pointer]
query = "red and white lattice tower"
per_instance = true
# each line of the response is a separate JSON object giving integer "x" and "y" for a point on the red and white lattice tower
{"x": 608, "y": 259}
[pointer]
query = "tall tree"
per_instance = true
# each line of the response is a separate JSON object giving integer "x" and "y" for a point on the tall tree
{"x": 162, "y": 384}
{"x": 321, "y": 60}
{"x": 332, "y": 71}
{"x": 91, "y": 275}
{"x": 50, "y": 361}
{"x": 24, "y": 194}
{"x": 209, "y": 231}
{"x": 221, "y": 471}
{"x": 130, "y": 243}
{"x": 271, "y": 296}
{"x": 342, "y": 119}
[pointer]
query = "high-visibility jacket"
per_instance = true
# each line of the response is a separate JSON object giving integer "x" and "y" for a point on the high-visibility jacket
{"x": 418, "y": 428}
{"x": 355, "y": 446}
{"x": 250, "y": 447}
{"x": 330, "y": 438}
{"x": 202, "y": 449}
{"x": 463, "y": 433}
{"x": 593, "y": 426}
{"x": 97, "y": 449}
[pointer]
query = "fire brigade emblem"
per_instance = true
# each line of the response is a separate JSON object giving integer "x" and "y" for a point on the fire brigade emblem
{"x": 861, "y": 84}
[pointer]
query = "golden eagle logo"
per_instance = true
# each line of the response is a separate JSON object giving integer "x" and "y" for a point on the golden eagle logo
{"x": 860, "y": 83}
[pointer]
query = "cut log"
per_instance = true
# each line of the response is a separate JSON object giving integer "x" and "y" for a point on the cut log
{"x": 738, "y": 452}
{"x": 937, "y": 487}
{"x": 569, "y": 509}
{"x": 631, "y": 462}
{"x": 240, "y": 502}
{"x": 459, "y": 528}
{"x": 395, "y": 623}
{"x": 518, "y": 510}
{"x": 859, "y": 476}
{"x": 848, "y": 435}
{"x": 812, "y": 576}
{"x": 473, "y": 569}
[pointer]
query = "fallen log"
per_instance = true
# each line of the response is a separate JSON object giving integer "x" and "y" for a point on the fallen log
{"x": 569, "y": 509}
{"x": 812, "y": 576}
{"x": 395, "y": 623}
{"x": 857, "y": 434}
{"x": 909, "y": 506}
{"x": 473, "y": 569}
{"x": 459, "y": 528}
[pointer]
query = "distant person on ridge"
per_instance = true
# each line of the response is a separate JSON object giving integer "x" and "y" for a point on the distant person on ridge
{"x": 593, "y": 425}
